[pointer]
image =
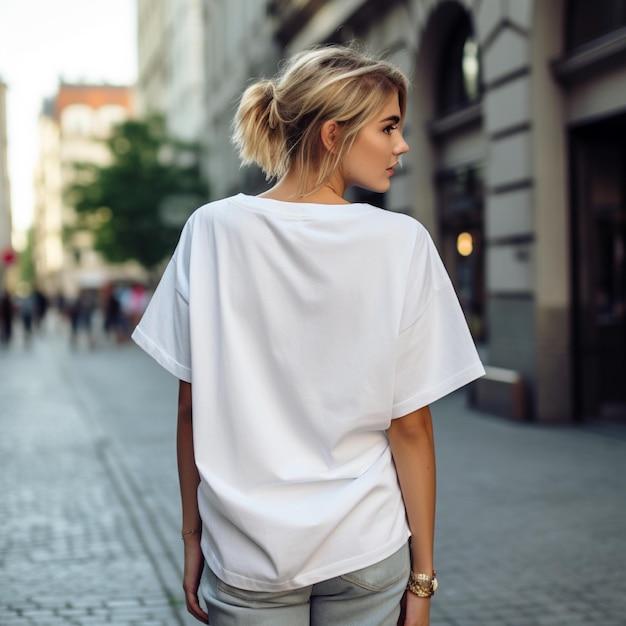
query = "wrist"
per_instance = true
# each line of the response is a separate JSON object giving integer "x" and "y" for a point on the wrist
{"x": 186, "y": 534}
{"x": 422, "y": 585}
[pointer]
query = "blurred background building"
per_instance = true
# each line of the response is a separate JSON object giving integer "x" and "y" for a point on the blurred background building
{"x": 171, "y": 64}
{"x": 151, "y": 57}
{"x": 6, "y": 248}
{"x": 194, "y": 58}
{"x": 72, "y": 128}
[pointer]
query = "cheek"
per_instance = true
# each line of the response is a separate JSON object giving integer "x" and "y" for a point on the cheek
{"x": 368, "y": 151}
{"x": 371, "y": 152}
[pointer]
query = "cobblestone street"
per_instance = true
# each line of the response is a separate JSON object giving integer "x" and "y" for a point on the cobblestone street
{"x": 89, "y": 535}
{"x": 530, "y": 528}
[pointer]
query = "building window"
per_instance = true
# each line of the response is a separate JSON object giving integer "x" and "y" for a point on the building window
{"x": 461, "y": 202}
{"x": 107, "y": 117}
{"x": 459, "y": 71}
{"x": 587, "y": 20}
{"x": 77, "y": 120}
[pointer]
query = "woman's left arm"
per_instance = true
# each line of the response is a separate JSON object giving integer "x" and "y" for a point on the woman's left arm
{"x": 189, "y": 479}
{"x": 412, "y": 445}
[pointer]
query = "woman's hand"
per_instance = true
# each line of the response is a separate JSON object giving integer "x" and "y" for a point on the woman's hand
{"x": 194, "y": 564}
{"x": 416, "y": 610}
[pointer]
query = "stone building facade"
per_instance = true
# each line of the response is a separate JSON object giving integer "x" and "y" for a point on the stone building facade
{"x": 151, "y": 57}
{"x": 171, "y": 64}
{"x": 517, "y": 166}
{"x": 6, "y": 248}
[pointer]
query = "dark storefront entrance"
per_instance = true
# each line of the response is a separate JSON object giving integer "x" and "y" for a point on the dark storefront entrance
{"x": 599, "y": 277}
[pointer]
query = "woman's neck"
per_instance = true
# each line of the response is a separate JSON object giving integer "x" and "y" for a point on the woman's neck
{"x": 286, "y": 190}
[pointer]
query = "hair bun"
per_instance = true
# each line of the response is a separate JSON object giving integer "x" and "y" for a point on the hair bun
{"x": 274, "y": 120}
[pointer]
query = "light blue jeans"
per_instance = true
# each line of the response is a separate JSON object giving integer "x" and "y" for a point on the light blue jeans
{"x": 367, "y": 597}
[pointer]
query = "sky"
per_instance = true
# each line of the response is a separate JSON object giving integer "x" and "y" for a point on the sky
{"x": 43, "y": 41}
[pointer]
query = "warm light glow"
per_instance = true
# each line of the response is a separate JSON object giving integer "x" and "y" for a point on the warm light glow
{"x": 471, "y": 68}
{"x": 465, "y": 244}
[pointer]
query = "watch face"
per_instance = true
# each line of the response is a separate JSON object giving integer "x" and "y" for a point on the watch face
{"x": 435, "y": 584}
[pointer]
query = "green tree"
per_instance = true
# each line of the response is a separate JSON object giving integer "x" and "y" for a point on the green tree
{"x": 135, "y": 206}
{"x": 26, "y": 262}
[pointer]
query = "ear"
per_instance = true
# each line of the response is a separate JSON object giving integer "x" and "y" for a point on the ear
{"x": 328, "y": 135}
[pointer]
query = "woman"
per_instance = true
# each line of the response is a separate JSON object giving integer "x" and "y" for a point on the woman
{"x": 310, "y": 335}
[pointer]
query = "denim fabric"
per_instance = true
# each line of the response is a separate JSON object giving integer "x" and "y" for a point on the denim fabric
{"x": 367, "y": 597}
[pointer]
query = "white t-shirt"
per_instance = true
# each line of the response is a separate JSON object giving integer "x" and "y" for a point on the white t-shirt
{"x": 304, "y": 330}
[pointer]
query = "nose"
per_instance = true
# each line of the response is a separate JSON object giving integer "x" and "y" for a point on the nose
{"x": 402, "y": 146}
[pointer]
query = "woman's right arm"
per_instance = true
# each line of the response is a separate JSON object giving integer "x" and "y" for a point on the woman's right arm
{"x": 189, "y": 479}
{"x": 412, "y": 445}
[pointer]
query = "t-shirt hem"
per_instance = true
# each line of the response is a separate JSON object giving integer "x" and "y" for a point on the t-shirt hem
{"x": 309, "y": 578}
{"x": 439, "y": 391}
{"x": 164, "y": 360}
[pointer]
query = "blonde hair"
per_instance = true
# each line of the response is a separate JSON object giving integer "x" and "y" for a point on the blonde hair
{"x": 278, "y": 121}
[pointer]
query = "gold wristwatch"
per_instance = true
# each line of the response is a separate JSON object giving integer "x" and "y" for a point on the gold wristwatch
{"x": 422, "y": 585}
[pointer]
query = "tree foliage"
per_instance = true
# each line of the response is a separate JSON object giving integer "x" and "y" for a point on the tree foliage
{"x": 135, "y": 205}
{"x": 26, "y": 261}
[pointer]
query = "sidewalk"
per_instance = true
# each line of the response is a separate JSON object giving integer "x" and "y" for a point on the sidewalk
{"x": 76, "y": 544}
{"x": 531, "y": 520}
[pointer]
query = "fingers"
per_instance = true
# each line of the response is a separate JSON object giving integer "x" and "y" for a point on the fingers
{"x": 193, "y": 606}
{"x": 193, "y": 566}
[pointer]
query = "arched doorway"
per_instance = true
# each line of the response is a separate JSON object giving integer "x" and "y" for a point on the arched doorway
{"x": 597, "y": 139}
{"x": 459, "y": 145}
{"x": 598, "y": 153}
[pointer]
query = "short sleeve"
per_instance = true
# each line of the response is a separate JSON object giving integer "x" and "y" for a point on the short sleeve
{"x": 435, "y": 352}
{"x": 164, "y": 329}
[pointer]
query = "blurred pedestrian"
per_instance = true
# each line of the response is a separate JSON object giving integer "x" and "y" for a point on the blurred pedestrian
{"x": 27, "y": 307}
{"x": 81, "y": 312}
{"x": 124, "y": 295}
{"x": 113, "y": 324}
{"x": 136, "y": 304}
{"x": 310, "y": 335}
{"x": 7, "y": 311}
{"x": 41, "y": 305}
